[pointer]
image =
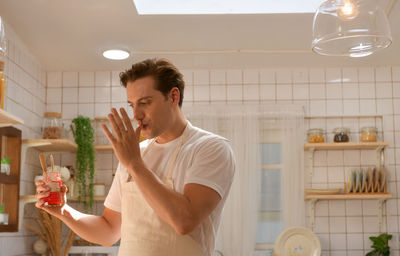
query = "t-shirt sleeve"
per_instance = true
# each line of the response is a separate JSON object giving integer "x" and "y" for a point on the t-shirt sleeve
{"x": 113, "y": 199}
{"x": 213, "y": 166}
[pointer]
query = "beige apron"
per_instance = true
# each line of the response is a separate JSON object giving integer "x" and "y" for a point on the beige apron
{"x": 143, "y": 233}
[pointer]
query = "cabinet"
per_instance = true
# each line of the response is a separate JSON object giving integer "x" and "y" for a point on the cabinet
{"x": 10, "y": 141}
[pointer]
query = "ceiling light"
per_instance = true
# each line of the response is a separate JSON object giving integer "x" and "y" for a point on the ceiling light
{"x": 355, "y": 28}
{"x": 116, "y": 54}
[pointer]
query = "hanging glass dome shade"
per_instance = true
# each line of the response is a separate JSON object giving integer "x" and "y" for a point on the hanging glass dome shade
{"x": 354, "y": 28}
{"x": 2, "y": 38}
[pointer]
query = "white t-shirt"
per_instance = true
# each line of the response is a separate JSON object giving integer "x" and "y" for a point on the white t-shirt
{"x": 205, "y": 158}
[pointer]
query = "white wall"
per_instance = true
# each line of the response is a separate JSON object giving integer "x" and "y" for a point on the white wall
{"x": 25, "y": 98}
{"x": 342, "y": 226}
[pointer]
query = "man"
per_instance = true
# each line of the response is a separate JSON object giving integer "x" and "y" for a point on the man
{"x": 169, "y": 190}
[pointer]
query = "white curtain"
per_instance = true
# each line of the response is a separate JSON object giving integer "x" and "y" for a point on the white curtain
{"x": 242, "y": 125}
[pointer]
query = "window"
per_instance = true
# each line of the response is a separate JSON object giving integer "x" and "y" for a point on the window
{"x": 269, "y": 219}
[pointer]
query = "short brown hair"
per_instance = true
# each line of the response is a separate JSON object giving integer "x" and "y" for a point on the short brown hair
{"x": 165, "y": 74}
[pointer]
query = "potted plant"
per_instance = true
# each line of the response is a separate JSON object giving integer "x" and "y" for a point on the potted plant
{"x": 380, "y": 244}
{"x": 83, "y": 133}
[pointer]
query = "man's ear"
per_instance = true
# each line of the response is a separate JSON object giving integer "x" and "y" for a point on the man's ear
{"x": 175, "y": 95}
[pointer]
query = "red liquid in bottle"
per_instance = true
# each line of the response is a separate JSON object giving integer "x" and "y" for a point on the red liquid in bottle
{"x": 54, "y": 182}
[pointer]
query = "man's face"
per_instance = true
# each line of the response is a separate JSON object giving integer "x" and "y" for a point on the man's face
{"x": 151, "y": 109}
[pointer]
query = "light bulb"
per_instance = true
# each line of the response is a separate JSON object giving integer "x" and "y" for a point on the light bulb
{"x": 348, "y": 10}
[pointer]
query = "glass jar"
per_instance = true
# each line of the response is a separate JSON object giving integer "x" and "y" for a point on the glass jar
{"x": 99, "y": 136}
{"x": 341, "y": 134}
{"x": 52, "y": 125}
{"x": 368, "y": 134}
{"x": 315, "y": 136}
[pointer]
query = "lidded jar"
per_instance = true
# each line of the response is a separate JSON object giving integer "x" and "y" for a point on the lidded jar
{"x": 52, "y": 125}
{"x": 368, "y": 134}
{"x": 315, "y": 135}
{"x": 341, "y": 134}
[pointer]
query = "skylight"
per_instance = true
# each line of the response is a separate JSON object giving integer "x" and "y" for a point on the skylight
{"x": 225, "y": 6}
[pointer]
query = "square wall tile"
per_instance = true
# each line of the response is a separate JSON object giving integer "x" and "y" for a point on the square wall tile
{"x": 115, "y": 81}
{"x": 367, "y": 90}
{"x": 69, "y": 111}
{"x": 201, "y": 93}
{"x": 70, "y": 95}
{"x": 267, "y": 92}
{"x": 317, "y": 91}
{"x": 217, "y": 77}
{"x": 318, "y": 107}
{"x": 201, "y": 77}
{"x": 350, "y": 91}
{"x": 321, "y": 209}
{"x": 383, "y": 74}
{"x": 250, "y": 76}
{"x": 234, "y": 76}
{"x": 284, "y": 92}
{"x": 349, "y": 75}
{"x": 351, "y": 107}
{"x": 283, "y": 76}
{"x": 70, "y": 79}
{"x": 251, "y": 92}
{"x": 338, "y": 242}
{"x": 317, "y": 75}
{"x": 366, "y": 74}
{"x": 353, "y": 208}
{"x": 334, "y": 107}
{"x": 396, "y": 73}
{"x": 86, "y": 79}
{"x": 102, "y": 94}
{"x": 337, "y": 208}
{"x": 354, "y": 224}
{"x": 86, "y": 95}
{"x": 118, "y": 94}
{"x": 324, "y": 240}
{"x": 321, "y": 225}
{"x": 320, "y": 175}
{"x": 301, "y": 91}
{"x": 351, "y": 157}
{"x": 333, "y": 75}
{"x": 217, "y": 93}
{"x": 187, "y": 76}
{"x": 384, "y": 90}
{"x": 384, "y": 106}
{"x": 335, "y": 175}
{"x": 101, "y": 109}
{"x": 334, "y": 91}
{"x": 367, "y": 107}
{"x": 234, "y": 92}
{"x": 267, "y": 76}
{"x": 337, "y": 224}
{"x": 355, "y": 241}
{"x": 103, "y": 78}
{"x": 53, "y": 107}
{"x": 371, "y": 224}
{"x": 54, "y": 79}
{"x": 53, "y": 95}
{"x": 86, "y": 109}
{"x": 188, "y": 94}
{"x": 300, "y": 75}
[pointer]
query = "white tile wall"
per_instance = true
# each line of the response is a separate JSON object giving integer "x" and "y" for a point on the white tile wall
{"x": 342, "y": 226}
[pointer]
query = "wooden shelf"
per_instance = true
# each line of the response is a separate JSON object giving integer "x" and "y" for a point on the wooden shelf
{"x": 345, "y": 145}
{"x": 103, "y": 147}
{"x": 349, "y": 196}
{"x": 7, "y": 119}
{"x": 32, "y": 198}
{"x": 51, "y": 145}
{"x": 8, "y": 179}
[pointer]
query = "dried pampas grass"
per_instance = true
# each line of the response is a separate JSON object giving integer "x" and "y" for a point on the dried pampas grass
{"x": 49, "y": 228}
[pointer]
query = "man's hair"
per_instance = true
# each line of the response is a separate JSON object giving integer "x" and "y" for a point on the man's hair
{"x": 165, "y": 74}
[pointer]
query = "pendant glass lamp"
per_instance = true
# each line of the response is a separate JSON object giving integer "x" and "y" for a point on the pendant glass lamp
{"x": 354, "y": 28}
{"x": 2, "y": 38}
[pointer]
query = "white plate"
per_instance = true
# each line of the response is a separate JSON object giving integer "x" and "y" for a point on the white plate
{"x": 323, "y": 191}
{"x": 297, "y": 241}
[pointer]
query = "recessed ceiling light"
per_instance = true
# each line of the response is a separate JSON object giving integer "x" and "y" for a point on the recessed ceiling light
{"x": 116, "y": 54}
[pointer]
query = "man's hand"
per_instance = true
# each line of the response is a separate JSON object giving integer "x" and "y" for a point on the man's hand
{"x": 125, "y": 140}
{"x": 43, "y": 191}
